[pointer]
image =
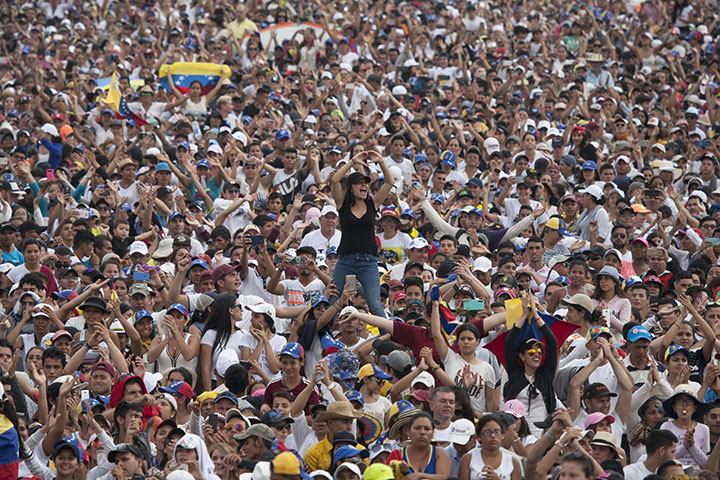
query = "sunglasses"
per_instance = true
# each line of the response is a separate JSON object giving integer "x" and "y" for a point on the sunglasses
{"x": 618, "y": 235}
{"x": 238, "y": 427}
{"x": 534, "y": 351}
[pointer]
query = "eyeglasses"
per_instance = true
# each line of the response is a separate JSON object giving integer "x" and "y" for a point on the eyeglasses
{"x": 237, "y": 305}
{"x": 61, "y": 265}
{"x": 619, "y": 235}
{"x": 233, "y": 190}
{"x": 284, "y": 427}
{"x": 238, "y": 427}
{"x": 534, "y": 351}
{"x": 146, "y": 94}
{"x": 490, "y": 433}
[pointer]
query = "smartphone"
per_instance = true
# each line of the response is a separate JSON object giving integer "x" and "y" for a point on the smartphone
{"x": 274, "y": 234}
{"x": 298, "y": 261}
{"x": 351, "y": 281}
{"x": 257, "y": 239}
{"x": 213, "y": 421}
{"x": 713, "y": 241}
{"x": 474, "y": 305}
{"x": 141, "y": 277}
{"x": 79, "y": 386}
{"x": 147, "y": 268}
{"x": 84, "y": 395}
{"x": 50, "y": 174}
{"x": 84, "y": 214}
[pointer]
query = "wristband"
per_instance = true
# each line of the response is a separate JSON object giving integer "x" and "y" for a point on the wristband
{"x": 551, "y": 437}
{"x": 332, "y": 386}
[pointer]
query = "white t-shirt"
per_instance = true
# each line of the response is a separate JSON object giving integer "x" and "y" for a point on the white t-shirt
{"x": 392, "y": 250}
{"x": 237, "y": 220}
{"x": 454, "y": 365}
{"x": 233, "y": 342}
{"x": 296, "y": 294}
{"x": 131, "y": 193}
{"x": 318, "y": 241}
{"x": 636, "y": 471}
{"x": 276, "y": 343}
{"x": 378, "y": 409}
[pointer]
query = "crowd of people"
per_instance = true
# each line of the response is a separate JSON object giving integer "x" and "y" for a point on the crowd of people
{"x": 386, "y": 241}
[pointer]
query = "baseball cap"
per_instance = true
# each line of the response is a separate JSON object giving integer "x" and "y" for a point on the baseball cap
{"x": 372, "y": 370}
{"x": 558, "y": 224}
{"x": 294, "y": 350}
{"x": 596, "y": 331}
{"x": 597, "y": 390}
{"x": 179, "y": 388}
{"x": 638, "y": 332}
{"x": 461, "y": 430}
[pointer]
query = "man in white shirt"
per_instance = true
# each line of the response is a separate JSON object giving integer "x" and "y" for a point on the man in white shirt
{"x": 660, "y": 445}
{"x": 417, "y": 252}
{"x": 327, "y": 236}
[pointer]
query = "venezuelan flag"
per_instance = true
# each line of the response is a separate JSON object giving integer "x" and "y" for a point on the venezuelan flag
{"x": 447, "y": 321}
{"x": 530, "y": 329}
{"x": 117, "y": 102}
{"x": 185, "y": 73}
{"x": 9, "y": 449}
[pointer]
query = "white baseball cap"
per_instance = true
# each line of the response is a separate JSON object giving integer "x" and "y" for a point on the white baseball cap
{"x": 138, "y": 246}
{"x": 491, "y": 145}
{"x": 426, "y": 379}
{"x": 461, "y": 430}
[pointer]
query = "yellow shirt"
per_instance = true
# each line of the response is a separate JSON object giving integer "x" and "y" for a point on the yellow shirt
{"x": 239, "y": 29}
{"x": 319, "y": 456}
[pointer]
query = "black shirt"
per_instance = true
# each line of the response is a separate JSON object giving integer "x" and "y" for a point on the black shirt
{"x": 358, "y": 234}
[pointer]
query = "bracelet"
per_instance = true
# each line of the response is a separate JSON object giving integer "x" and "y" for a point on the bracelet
{"x": 516, "y": 440}
{"x": 434, "y": 368}
{"x": 551, "y": 437}
{"x": 161, "y": 288}
{"x": 332, "y": 386}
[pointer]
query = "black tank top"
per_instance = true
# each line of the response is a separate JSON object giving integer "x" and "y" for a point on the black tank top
{"x": 358, "y": 234}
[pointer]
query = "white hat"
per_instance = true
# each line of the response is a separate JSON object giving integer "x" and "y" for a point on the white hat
{"x": 346, "y": 66}
{"x": 215, "y": 148}
{"x": 689, "y": 111}
{"x": 399, "y": 90}
{"x": 482, "y": 264}
{"x": 418, "y": 242}
{"x": 328, "y": 209}
{"x": 241, "y": 137}
{"x": 491, "y": 145}
{"x": 593, "y": 190}
{"x": 426, "y": 379}
{"x": 326, "y": 75}
{"x": 461, "y": 430}
{"x": 50, "y": 129}
{"x": 411, "y": 63}
{"x": 138, "y": 246}
{"x": 6, "y": 267}
{"x": 262, "y": 307}
{"x": 151, "y": 380}
{"x": 348, "y": 309}
{"x": 348, "y": 466}
{"x": 543, "y": 124}
{"x": 699, "y": 194}
{"x": 226, "y": 358}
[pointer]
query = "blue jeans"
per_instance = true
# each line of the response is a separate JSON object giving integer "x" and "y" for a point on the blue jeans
{"x": 365, "y": 268}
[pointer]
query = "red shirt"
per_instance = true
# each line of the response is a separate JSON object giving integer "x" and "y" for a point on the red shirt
{"x": 279, "y": 386}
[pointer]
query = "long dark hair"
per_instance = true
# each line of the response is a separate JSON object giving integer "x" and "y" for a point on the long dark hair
{"x": 597, "y": 294}
{"x": 220, "y": 320}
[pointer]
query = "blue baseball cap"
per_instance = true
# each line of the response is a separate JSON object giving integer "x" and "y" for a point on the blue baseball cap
{"x": 332, "y": 250}
{"x": 558, "y": 224}
{"x": 348, "y": 451}
{"x": 589, "y": 165}
{"x": 437, "y": 197}
{"x": 140, "y": 315}
{"x": 673, "y": 349}
{"x": 90, "y": 403}
{"x": 179, "y": 307}
{"x": 162, "y": 167}
{"x": 448, "y": 158}
{"x": 174, "y": 215}
{"x": 294, "y": 350}
{"x": 563, "y": 279}
{"x": 336, "y": 149}
{"x": 203, "y": 163}
{"x": 184, "y": 145}
{"x": 354, "y": 395}
{"x": 65, "y": 294}
{"x": 282, "y": 134}
{"x": 372, "y": 370}
{"x": 125, "y": 206}
{"x": 639, "y": 332}
{"x": 420, "y": 158}
{"x": 228, "y": 395}
{"x": 201, "y": 262}
{"x": 408, "y": 212}
{"x": 318, "y": 300}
